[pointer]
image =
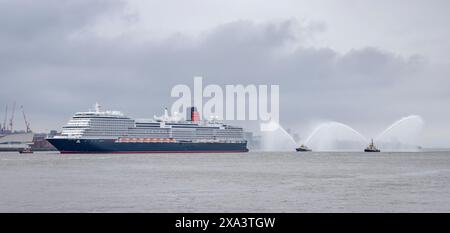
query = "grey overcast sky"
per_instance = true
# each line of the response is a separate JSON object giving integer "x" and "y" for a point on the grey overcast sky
{"x": 363, "y": 63}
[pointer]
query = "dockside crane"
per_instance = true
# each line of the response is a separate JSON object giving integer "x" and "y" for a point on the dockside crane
{"x": 11, "y": 120}
{"x": 27, "y": 124}
{"x": 4, "y": 128}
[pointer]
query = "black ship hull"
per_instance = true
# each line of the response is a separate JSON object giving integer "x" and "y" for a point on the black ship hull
{"x": 112, "y": 146}
{"x": 370, "y": 150}
{"x": 303, "y": 150}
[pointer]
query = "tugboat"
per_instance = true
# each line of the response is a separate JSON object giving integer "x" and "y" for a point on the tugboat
{"x": 26, "y": 151}
{"x": 372, "y": 148}
{"x": 303, "y": 148}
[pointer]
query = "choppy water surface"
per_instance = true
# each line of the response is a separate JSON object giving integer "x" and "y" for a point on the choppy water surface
{"x": 252, "y": 182}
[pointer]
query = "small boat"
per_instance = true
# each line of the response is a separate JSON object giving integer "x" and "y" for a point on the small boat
{"x": 372, "y": 148}
{"x": 303, "y": 148}
{"x": 26, "y": 151}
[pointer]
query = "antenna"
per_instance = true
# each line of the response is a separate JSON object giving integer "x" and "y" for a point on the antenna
{"x": 11, "y": 120}
{"x": 27, "y": 124}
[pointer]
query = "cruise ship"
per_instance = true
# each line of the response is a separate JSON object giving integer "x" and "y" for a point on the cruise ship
{"x": 100, "y": 131}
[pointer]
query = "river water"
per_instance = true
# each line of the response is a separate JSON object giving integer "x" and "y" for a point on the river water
{"x": 249, "y": 182}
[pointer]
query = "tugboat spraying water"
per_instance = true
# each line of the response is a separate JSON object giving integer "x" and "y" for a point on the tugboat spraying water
{"x": 372, "y": 148}
{"x": 303, "y": 148}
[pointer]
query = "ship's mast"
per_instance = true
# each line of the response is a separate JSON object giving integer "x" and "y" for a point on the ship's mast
{"x": 97, "y": 107}
{"x": 166, "y": 113}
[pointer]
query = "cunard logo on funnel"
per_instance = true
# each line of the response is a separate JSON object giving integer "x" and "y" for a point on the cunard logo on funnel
{"x": 231, "y": 102}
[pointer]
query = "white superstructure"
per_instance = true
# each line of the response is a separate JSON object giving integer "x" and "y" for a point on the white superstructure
{"x": 99, "y": 124}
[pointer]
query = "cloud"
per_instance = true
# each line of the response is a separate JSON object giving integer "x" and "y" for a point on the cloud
{"x": 54, "y": 73}
{"x": 26, "y": 20}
